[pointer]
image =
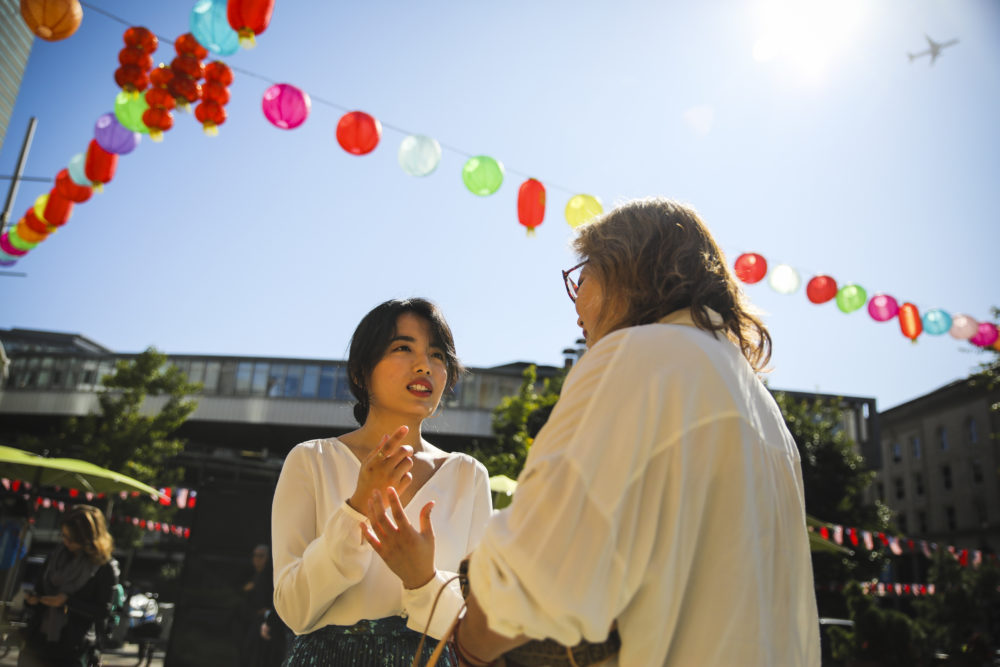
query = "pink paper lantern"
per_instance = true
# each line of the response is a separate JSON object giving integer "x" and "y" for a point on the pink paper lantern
{"x": 286, "y": 106}
{"x": 986, "y": 335}
{"x": 882, "y": 307}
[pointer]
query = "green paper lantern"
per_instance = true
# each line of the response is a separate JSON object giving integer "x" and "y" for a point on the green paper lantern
{"x": 851, "y": 297}
{"x": 18, "y": 242}
{"x": 129, "y": 109}
{"x": 482, "y": 175}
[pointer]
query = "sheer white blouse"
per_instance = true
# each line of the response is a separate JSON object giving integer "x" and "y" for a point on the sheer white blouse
{"x": 325, "y": 574}
{"x": 665, "y": 492}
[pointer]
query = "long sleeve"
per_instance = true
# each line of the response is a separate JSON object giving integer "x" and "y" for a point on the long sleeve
{"x": 94, "y": 601}
{"x": 419, "y": 602}
{"x": 312, "y": 567}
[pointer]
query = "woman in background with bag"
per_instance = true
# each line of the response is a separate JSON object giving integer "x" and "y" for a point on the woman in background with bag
{"x": 665, "y": 492}
{"x": 345, "y": 605}
{"x": 73, "y": 592}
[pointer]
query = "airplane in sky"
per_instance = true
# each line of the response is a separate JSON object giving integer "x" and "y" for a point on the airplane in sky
{"x": 935, "y": 49}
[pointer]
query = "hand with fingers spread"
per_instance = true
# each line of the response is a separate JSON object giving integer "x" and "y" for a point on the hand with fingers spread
{"x": 388, "y": 465}
{"x": 408, "y": 552}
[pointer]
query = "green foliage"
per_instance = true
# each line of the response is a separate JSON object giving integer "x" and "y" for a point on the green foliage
{"x": 128, "y": 439}
{"x": 835, "y": 478}
{"x": 987, "y": 378}
{"x": 962, "y": 618}
{"x": 516, "y": 422}
{"x": 883, "y": 636}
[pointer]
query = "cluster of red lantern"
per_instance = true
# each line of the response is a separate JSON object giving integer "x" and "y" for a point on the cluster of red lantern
{"x": 187, "y": 70}
{"x": 136, "y": 60}
{"x": 211, "y": 110}
{"x": 249, "y": 18}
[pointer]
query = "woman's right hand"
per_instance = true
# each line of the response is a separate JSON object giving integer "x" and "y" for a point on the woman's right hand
{"x": 387, "y": 465}
{"x": 30, "y": 598}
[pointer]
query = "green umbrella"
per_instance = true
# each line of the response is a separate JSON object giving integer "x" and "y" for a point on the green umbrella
{"x": 68, "y": 473}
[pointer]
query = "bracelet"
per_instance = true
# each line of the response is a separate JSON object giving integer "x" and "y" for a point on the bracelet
{"x": 465, "y": 656}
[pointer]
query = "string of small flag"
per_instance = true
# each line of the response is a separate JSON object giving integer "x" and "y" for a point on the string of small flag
{"x": 872, "y": 540}
{"x": 883, "y": 589}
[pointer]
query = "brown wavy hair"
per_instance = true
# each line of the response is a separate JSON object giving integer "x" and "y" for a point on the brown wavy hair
{"x": 655, "y": 256}
{"x": 86, "y": 526}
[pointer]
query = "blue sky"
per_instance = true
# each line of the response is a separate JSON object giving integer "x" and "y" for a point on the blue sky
{"x": 834, "y": 155}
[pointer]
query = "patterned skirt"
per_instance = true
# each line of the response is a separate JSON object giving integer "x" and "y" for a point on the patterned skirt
{"x": 383, "y": 642}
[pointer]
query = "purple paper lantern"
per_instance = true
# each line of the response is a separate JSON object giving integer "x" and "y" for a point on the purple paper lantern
{"x": 286, "y": 106}
{"x": 986, "y": 335}
{"x": 882, "y": 308}
{"x": 114, "y": 137}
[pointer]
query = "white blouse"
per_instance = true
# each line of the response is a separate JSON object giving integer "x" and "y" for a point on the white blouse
{"x": 326, "y": 574}
{"x": 665, "y": 492}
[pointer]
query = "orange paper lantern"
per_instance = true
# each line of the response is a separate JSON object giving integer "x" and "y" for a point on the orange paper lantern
{"x": 52, "y": 20}
{"x": 909, "y": 321}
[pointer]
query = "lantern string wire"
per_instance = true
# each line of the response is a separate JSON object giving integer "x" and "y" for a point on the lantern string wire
{"x": 335, "y": 105}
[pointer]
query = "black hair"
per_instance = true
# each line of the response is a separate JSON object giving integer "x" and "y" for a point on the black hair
{"x": 372, "y": 337}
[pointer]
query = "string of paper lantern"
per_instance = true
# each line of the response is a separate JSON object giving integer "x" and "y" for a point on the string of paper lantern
{"x": 752, "y": 267}
{"x": 873, "y": 540}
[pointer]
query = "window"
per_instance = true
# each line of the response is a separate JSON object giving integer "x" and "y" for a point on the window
{"x": 276, "y": 380}
{"x": 942, "y": 434}
{"x": 258, "y": 385}
{"x": 980, "y": 505}
{"x": 880, "y": 489}
{"x": 244, "y": 372}
{"x": 212, "y": 370}
{"x": 973, "y": 432}
{"x": 946, "y": 477}
{"x": 293, "y": 380}
{"x": 897, "y": 452}
{"x": 949, "y": 514}
{"x": 900, "y": 491}
{"x": 327, "y": 381}
{"x": 227, "y": 378}
{"x": 922, "y": 522}
{"x": 197, "y": 372}
{"x": 901, "y": 520}
{"x": 977, "y": 471}
{"x": 310, "y": 379}
{"x": 918, "y": 484}
{"x": 343, "y": 390}
{"x": 915, "y": 446}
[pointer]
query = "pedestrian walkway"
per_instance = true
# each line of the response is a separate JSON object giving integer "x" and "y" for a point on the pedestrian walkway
{"x": 126, "y": 655}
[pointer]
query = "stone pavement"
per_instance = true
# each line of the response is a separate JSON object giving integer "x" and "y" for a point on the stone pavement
{"x": 127, "y": 655}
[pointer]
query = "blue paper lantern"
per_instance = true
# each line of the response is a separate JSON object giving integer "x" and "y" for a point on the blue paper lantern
{"x": 76, "y": 170}
{"x": 936, "y": 322}
{"x": 210, "y": 26}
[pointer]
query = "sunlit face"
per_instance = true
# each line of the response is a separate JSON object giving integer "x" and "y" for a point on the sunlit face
{"x": 411, "y": 376}
{"x": 589, "y": 303}
{"x": 259, "y": 558}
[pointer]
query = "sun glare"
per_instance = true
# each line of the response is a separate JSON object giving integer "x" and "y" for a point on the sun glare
{"x": 805, "y": 34}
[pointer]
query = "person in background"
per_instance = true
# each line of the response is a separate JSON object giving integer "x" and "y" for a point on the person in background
{"x": 664, "y": 495}
{"x": 256, "y": 595}
{"x": 73, "y": 591}
{"x": 332, "y": 584}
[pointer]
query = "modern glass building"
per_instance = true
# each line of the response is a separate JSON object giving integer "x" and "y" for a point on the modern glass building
{"x": 15, "y": 45}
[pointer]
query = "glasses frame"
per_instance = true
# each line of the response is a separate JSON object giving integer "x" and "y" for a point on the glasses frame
{"x": 572, "y": 287}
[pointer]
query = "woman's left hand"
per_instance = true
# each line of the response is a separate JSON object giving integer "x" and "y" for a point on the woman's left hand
{"x": 408, "y": 552}
{"x": 54, "y": 600}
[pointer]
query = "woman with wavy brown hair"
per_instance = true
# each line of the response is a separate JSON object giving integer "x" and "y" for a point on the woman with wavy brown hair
{"x": 664, "y": 496}
{"x": 73, "y": 591}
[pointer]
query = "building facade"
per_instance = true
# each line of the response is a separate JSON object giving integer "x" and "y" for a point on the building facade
{"x": 15, "y": 45}
{"x": 940, "y": 465}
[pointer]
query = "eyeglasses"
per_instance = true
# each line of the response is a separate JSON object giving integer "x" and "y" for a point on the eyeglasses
{"x": 572, "y": 286}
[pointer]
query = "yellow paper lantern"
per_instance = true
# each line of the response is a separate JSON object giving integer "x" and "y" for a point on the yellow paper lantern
{"x": 581, "y": 209}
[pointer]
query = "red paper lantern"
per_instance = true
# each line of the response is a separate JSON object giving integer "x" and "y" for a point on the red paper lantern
{"x": 100, "y": 164}
{"x": 214, "y": 95}
{"x": 188, "y": 66}
{"x": 131, "y": 55}
{"x": 750, "y": 267}
{"x": 249, "y": 18}
{"x": 213, "y": 91}
{"x": 131, "y": 78}
{"x": 187, "y": 45}
{"x": 141, "y": 38}
{"x": 70, "y": 190}
{"x": 158, "y": 117}
{"x": 821, "y": 289}
{"x": 188, "y": 70}
{"x": 211, "y": 115}
{"x": 531, "y": 204}
{"x": 358, "y": 133}
{"x": 32, "y": 221}
{"x": 219, "y": 71}
{"x": 909, "y": 321}
{"x": 136, "y": 59}
{"x": 58, "y": 208}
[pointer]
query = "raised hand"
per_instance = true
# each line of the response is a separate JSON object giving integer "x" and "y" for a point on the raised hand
{"x": 408, "y": 552}
{"x": 388, "y": 465}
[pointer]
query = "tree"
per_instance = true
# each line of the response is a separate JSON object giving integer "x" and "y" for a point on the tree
{"x": 835, "y": 478}
{"x": 516, "y": 422}
{"x": 879, "y": 636}
{"x": 124, "y": 438}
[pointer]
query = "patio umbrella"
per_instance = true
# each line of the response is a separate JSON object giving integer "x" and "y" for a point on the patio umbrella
{"x": 503, "y": 484}
{"x": 68, "y": 473}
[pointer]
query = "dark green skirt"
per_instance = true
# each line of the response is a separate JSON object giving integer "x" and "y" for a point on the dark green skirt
{"x": 383, "y": 642}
